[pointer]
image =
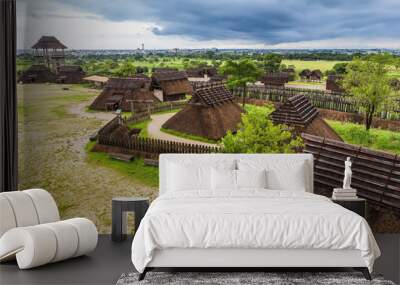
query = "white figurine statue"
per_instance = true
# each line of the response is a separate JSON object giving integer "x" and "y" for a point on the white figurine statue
{"x": 347, "y": 174}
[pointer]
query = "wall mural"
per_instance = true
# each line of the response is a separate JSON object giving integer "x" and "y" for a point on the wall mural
{"x": 97, "y": 106}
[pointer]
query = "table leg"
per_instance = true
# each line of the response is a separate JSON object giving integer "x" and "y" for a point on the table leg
{"x": 118, "y": 222}
{"x": 140, "y": 211}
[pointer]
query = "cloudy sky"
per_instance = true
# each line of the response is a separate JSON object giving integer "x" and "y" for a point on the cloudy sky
{"x": 125, "y": 24}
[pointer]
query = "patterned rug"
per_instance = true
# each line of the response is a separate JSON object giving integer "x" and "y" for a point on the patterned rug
{"x": 244, "y": 278}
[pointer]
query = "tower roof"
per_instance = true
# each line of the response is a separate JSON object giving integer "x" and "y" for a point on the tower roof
{"x": 48, "y": 42}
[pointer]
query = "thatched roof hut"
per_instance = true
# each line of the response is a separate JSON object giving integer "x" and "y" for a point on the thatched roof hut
{"x": 171, "y": 85}
{"x": 96, "y": 80}
{"x": 70, "y": 74}
{"x": 275, "y": 79}
{"x": 37, "y": 74}
{"x": 305, "y": 74}
{"x": 291, "y": 73}
{"x": 125, "y": 93}
{"x": 316, "y": 75}
{"x": 333, "y": 83}
{"x": 210, "y": 113}
{"x": 298, "y": 113}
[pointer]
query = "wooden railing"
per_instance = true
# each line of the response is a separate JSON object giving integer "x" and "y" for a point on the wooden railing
{"x": 155, "y": 146}
{"x": 376, "y": 174}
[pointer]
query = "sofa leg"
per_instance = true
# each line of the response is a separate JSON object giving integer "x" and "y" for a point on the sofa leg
{"x": 364, "y": 271}
{"x": 143, "y": 274}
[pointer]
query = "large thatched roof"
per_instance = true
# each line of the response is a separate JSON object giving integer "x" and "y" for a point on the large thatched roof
{"x": 48, "y": 42}
{"x": 172, "y": 83}
{"x": 299, "y": 113}
{"x": 70, "y": 74}
{"x": 210, "y": 113}
{"x": 118, "y": 93}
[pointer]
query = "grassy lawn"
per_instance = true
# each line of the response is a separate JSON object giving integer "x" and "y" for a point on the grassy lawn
{"x": 188, "y": 136}
{"x": 141, "y": 125}
{"x": 136, "y": 169}
{"x": 376, "y": 138}
{"x": 322, "y": 65}
{"x": 52, "y": 154}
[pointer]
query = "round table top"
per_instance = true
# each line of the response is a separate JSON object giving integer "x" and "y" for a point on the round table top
{"x": 130, "y": 199}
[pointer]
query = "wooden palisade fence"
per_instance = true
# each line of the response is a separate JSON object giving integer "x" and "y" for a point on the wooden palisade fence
{"x": 319, "y": 98}
{"x": 155, "y": 146}
{"x": 376, "y": 174}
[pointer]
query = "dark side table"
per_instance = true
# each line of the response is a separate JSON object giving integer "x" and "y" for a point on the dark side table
{"x": 357, "y": 205}
{"x": 121, "y": 205}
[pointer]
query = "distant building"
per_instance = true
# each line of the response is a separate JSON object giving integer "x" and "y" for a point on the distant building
{"x": 305, "y": 74}
{"x": 210, "y": 113}
{"x": 126, "y": 94}
{"x": 291, "y": 73}
{"x": 70, "y": 74}
{"x": 316, "y": 75}
{"x": 97, "y": 81}
{"x": 275, "y": 79}
{"x": 298, "y": 112}
{"x": 50, "y": 52}
{"x": 38, "y": 73}
{"x": 333, "y": 83}
{"x": 171, "y": 85}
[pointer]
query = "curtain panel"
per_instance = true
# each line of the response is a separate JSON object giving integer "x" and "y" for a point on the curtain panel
{"x": 8, "y": 99}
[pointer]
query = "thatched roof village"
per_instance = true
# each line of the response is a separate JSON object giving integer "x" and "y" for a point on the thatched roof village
{"x": 125, "y": 94}
{"x": 70, "y": 74}
{"x": 210, "y": 113}
{"x": 298, "y": 112}
{"x": 38, "y": 73}
{"x": 171, "y": 85}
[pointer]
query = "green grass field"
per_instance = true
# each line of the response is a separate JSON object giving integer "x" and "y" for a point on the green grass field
{"x": 147, "y": 175}
{"x": 376, "y": 138}
{"x": 188, "y": 136}
{"x": 322, "y": 65}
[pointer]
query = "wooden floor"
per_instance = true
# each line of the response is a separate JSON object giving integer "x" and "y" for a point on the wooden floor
{"x": 111, "y": 259}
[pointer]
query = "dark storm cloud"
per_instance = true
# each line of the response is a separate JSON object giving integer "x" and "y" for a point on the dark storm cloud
{"x": 268, "y": 21}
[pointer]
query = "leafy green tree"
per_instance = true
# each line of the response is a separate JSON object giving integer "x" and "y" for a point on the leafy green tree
{"x": 368, "y": 81}
{"x": 340, "y": 68}
{"x": 272, "y": 62}
{"x": 127, "y": 69}
{"x": 240, "y": 73}
{"x": 258, "y": 134}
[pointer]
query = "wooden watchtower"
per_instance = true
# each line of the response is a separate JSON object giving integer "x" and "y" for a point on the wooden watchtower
{"x": 50, "y": 52}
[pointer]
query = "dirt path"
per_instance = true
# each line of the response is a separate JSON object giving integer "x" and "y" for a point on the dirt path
{"x": 154, "y": 130}
{"x": 53, "y": 131}
{"x": 80, "y": 110}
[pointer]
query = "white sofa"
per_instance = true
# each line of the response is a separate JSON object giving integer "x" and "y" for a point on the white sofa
{"x": 31, "y": 231}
